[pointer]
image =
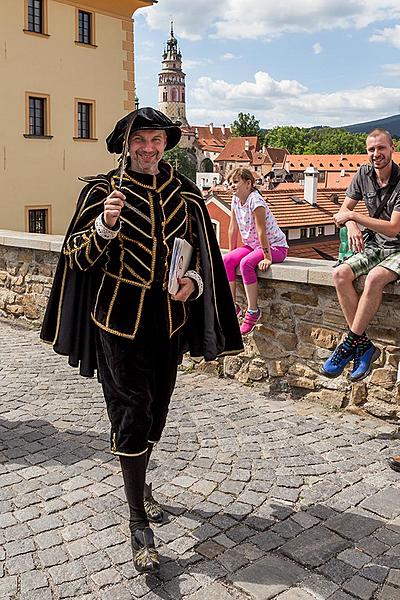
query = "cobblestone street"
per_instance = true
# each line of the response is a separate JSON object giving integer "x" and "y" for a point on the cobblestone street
{"x": 265, "y": 498}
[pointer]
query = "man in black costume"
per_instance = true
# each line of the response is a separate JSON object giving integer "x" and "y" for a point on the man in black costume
{"x": 110, "y": 309}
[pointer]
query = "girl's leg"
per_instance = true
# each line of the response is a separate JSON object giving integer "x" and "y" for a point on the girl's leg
{"x": 232, "y": 285}
{"x": 248, "y": 266}
{"x": 231, "y": 261}
{"x": 251, "y": 295}
{"x": 278, "y": 253}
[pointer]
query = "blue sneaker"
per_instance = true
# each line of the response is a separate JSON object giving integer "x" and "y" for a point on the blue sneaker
{"x": 334, "y": 365}
{"x": 363, "y": 362}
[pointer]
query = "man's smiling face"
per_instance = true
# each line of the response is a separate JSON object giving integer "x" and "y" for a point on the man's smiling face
{"x": 146, "y": 148}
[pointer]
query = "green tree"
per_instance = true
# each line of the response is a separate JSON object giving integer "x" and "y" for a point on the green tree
{"x": 325, "y": 140}
{"x": 183, "y": 160}
{"x": 245, "y": 125}
{"x": 289, "y": 137}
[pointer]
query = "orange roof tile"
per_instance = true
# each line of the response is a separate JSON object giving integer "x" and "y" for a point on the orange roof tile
{"x": 326, "y": 162}
{"x": 211, "y": 148}
{"x": 235, "y": 149}
{"x": 209, "y": 137}
{"x": 277, "y": 155}
{"x": 292, "y": 211}
{"x": 329, "y": 162}
{"x": 308, "y": 250}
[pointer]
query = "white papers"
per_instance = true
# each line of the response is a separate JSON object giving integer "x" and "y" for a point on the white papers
{"x": 181, "y": 255}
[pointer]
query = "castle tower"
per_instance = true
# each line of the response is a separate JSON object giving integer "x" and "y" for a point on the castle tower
{"x": 171, "y": 82}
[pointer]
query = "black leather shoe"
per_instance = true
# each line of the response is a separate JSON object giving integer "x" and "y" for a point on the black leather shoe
{"x": 154, "y": 510}
{"x": 145, "y": 556}
{"x": 394, "y": 463}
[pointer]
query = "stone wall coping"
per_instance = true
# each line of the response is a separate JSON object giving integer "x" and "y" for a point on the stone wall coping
{"x": 35, "y": 241}
{"x": 297, "y": 270}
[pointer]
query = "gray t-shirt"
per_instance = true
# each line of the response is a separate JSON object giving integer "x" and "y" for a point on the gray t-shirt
{"x": 365, "y": 186}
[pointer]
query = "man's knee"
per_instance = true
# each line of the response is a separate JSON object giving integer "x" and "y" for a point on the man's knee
{"x": 377, "y": 279}
{"x": 342, "y": 276}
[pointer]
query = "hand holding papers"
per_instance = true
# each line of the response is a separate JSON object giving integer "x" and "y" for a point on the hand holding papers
{"x": 181, "y": 255}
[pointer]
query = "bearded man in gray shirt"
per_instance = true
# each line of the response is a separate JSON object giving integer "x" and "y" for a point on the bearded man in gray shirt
{"x": 376, "y": 255}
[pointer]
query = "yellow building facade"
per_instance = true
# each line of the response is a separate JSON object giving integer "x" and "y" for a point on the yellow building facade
{"x": 67, "y": 75}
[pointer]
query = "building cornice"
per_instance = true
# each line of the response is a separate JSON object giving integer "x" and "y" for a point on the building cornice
{"x": 117, "y": 8}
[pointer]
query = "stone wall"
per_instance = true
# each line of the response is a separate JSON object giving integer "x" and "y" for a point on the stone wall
{"x": 27, "y": 266}
{"x": 301, "y": 324}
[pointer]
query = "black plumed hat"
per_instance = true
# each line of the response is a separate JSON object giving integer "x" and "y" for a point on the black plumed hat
{"x": 143, "y": 118}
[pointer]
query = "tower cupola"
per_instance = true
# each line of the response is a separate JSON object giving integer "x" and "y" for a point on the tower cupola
{"x": 171, "y": 82}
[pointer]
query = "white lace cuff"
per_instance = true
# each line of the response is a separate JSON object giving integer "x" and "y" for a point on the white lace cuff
{"x": 105, "y": 232}
{"x": 196, "y": 277}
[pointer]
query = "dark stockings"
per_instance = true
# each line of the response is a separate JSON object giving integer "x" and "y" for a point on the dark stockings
{"x": 134, "y": 474}
{"x": 147, "y": 487}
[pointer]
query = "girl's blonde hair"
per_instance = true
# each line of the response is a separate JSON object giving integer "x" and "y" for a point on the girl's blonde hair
{"x": 242, "y": 173}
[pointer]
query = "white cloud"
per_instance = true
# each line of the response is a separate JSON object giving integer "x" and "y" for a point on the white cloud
{"x": 392, "y": 70}
{"x": 230, "y": 19}
{"x": 229, "y": 56}
{"x": 288, "y": 102}
{"x": 262, "y": 87}
{"x": 190, "y": 24}
{"x": 317, "y": 48}
{"x": 388, "y": 36}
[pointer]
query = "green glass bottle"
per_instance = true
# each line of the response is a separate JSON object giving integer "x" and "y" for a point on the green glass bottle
{"x": 344, "y": 249}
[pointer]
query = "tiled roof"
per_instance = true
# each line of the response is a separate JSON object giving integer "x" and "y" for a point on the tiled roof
{"x": 277, "y": 155}
{"x": 211, "y": 148}
{"x": 325, "y": 162}
{"x": 205, "y": 137}
{"x": 261, "y": 158}
{"x": 329, "y": 162}
{"x": 292, "y": 211}
{"x": 330, "y": 247}
{"x": 235, "y": 149}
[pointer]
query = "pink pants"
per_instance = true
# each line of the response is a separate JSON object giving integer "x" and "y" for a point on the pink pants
{"x": 248, "y": 259}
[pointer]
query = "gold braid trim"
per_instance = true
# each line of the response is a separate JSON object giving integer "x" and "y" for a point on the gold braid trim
{"x": 176, "y": 209}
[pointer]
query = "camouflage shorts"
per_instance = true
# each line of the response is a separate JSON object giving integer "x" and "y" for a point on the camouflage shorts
{"x": 373, "y": 256}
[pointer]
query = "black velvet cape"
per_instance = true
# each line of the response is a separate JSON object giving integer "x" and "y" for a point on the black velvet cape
{"x": 212, "y": 328}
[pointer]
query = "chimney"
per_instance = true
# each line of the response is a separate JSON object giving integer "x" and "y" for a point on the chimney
{"x": 223, "y": 128}
{"x": 211, "y": 126}
{"x": 246, "y": 145}
{"x": 310, "y": 185}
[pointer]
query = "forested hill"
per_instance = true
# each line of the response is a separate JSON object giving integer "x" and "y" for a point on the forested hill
{"x": 392, "y": 124}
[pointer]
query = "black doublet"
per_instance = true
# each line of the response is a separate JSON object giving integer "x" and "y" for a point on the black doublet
{"x": 138, "y": 259}
{"x": 92, "y": 272}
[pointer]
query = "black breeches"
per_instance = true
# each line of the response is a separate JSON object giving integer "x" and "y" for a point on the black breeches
{"x": 138, "y": 377}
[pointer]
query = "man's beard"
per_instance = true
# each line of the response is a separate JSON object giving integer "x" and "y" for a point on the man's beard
{"x": 138, "y": 163}
{"x": 384, "y": 164}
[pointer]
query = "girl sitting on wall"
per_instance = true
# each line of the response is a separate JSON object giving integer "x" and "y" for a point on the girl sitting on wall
{"x": 263, "y": 242}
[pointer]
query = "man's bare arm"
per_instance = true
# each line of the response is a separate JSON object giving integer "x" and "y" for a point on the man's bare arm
{"x": 354, "y": 234}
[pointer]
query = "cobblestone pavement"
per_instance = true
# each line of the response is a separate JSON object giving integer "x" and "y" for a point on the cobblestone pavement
{"x": 266, "y": 498}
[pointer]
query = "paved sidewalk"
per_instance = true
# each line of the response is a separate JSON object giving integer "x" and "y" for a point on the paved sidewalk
{"x": 266, "y": 498}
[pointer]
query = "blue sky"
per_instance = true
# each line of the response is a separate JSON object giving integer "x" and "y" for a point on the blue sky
{"x": 299, "y": 62}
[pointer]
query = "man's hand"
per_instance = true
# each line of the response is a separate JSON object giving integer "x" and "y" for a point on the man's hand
{"x": 343, "y": 216}
{"x": 186, "y": 289}
{"x": 113, "y": 205}
{"x": 354, "y": 237}
{"x": 264, "y": 264}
